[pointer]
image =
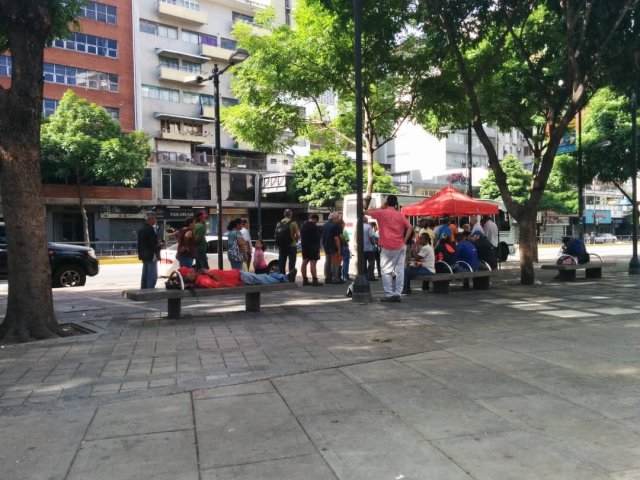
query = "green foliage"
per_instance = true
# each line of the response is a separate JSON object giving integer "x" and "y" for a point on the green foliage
{"x": 518, "y": 180}
{"x": 607, "y": 138}
{"x": 296, "y": 65}
{"x": 328, "y": 175}
{"x": 81, "y": 141}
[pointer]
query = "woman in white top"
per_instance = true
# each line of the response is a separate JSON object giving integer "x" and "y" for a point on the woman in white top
{"x": 422, "y": 263}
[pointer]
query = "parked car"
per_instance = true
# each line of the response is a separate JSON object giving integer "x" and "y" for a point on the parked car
{"x": 605, "y": 238}
{"x": 70, "y": 264}
{"x": 169, "y": 263}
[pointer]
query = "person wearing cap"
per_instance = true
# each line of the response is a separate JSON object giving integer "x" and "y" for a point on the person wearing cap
{"x": 149, "y": 246}
{"x": 395, "y": 231}
{"x": 200, "y": 234}
{"x": 486, "y": 252}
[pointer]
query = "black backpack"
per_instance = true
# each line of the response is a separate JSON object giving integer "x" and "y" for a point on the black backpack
{"x": 283, "y": 234}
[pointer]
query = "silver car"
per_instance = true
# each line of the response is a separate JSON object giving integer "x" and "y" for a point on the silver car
{"x": 169, "y": 263}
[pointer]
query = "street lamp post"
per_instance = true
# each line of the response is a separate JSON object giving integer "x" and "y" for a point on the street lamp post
{"x": 361, "y": 287}
{"x": 236, "y": 57}
{"x": 582, "y": 229}
{"x": 634, "y": 264}
{"x": 469, "y": 161}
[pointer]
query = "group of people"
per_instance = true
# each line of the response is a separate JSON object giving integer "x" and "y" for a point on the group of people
{"x": 407, "y": 252}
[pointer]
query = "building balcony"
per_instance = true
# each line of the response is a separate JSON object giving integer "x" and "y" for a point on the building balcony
{"x": 208, "y": 112}
{"x": 183, "y": 136}
{"x": 215, "y": 52}
{"x": 177, "y": 9}
{"x": 171, "y": 74}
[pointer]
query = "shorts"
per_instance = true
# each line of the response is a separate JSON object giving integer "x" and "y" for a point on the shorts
{"x": 310, "y": 254}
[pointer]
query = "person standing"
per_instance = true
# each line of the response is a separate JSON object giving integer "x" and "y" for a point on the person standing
{"x": 490, "y": 230}
{"x": 244, "y": 231}
{"x": 186, "y": 250}
{"x": 345, "y": 252}
{"x": 395, "y": 231}
{"x": 369, "y": 241}
{"x": 287, "y": 236}
{"x": 149, "y": 246}
{"x": 236, "y": 251}
{"x": 200, "y": 234}
{"x": 376, "y": 247}
{"x": 259, "y": 263}
{"x": 310, "y": 236}
{"x": 331, "y": 246}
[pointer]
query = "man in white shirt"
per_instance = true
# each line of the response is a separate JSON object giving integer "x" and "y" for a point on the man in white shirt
{"x": 490, "y": 230}
{"x": 422, "y": 263}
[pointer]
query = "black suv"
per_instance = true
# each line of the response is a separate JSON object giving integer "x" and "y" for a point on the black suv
{"x": 70, "y": 264}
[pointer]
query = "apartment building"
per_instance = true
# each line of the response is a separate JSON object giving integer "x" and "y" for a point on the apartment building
{"x": 175, "y": 42}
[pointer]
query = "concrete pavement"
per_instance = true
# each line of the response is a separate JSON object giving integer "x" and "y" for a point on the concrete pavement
{"x": 511, "y": 383}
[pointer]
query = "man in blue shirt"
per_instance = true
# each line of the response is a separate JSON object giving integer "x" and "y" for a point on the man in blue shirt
{"x": 576, "y": 248}
{"x": 466, "y": 252}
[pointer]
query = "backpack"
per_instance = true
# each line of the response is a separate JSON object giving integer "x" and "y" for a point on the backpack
{"x": 283, "y": 234}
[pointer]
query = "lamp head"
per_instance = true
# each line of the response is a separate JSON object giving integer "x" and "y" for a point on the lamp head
{"x": 240, "y": 55}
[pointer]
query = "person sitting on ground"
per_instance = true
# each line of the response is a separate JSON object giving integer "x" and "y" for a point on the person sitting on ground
{"x": 575, "y": 248}
{"x": 422, "y": 263}
{"x": 214, "y": 278}
{"x": 486, "y": 252}
{"x": 445, "y": 252}
{"x": 467, "y": 253}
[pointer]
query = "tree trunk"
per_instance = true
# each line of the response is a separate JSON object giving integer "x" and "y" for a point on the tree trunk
{"x": 527, "y": 248}
{"x": 83, "y": 211}
{"x": 29, "y": 312}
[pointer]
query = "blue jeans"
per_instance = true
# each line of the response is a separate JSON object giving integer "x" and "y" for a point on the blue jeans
{"x": 249, "y": 278}
{"x": 289, "y": 253}
{"x": 236, "y": 265}
{"x": 149, "y": 274}
{"x": 346, "y": 256}
{"x": 186, "y": 261}
{"x": 411, "y": 272}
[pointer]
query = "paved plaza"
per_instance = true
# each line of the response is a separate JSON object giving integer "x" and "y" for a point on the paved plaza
{"x": 510, "y": 383}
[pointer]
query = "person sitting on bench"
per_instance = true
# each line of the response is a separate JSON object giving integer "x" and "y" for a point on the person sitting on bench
{"x": 422, "y": 263}
{"x": 213, "y": 278}
{"x": 575, "y": 248}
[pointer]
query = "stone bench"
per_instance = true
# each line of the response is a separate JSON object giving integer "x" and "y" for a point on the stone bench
{"x": 567, "y": 271}
{"x": 441, "y": 281}
{"x": 174, "y": 297}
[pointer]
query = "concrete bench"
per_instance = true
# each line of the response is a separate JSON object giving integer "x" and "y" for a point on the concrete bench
{"x": 441, "y": 281}
{"x": 567, "y": 271}
{"x": 174, "y": 297}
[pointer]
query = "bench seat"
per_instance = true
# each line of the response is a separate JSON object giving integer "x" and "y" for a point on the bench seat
{"x": 174, "y": 297}
{"x": 442, "y": 281}
{"x": 567, "y": 272}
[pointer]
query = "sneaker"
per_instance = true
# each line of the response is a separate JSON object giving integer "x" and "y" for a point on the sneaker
{"x": 393, "y": 299}
{"x": 305, "y": 282}
{"x": 291, "y": 276}
{"x": 406, "y": 292}
{"x": 316, "y": 283}
{"x": 396, "y": 299}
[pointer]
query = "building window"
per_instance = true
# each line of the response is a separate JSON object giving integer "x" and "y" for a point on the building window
{"x": 189, "y": 4}
{"x": 49, "y": 106}
{"x": 197, "y": 99}
{"x": 159, "y": 93}
{"x": 273, "y": 161}
{"x": 191, "y": 66}
{"x": 80, "y": 42}
{"x": 79, "y": 77}
{"x": 5, "y": 66}
{"x": 228, "y": 102}
{"x": 228, "y": 44}
{"x": 99, "y": 12}
{"x": 158, "y": 29}
{"x": 185, "y": 185}
{"x": 199, "y": 38}
{"x": 169, "y": 62}
{"x": 235, "y": 16}
{"x": 113, "y": 113}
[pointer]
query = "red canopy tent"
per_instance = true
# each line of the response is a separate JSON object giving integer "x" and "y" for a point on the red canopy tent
{"x": 449, "y": 201}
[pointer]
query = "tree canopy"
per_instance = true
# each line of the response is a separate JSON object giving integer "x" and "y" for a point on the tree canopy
{"x": 327, "y": 175}
{"x": 526, "y": 64}
{"x": 293, "y": 66}
{"x": 81, "y": 142}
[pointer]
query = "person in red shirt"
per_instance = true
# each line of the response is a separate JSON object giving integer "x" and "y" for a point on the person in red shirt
{"x": 394, "y": 232}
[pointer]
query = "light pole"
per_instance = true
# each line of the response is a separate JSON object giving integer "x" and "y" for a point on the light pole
{"x": 634, "y": 264}
{"x": 582, "y": 230}
{"x": 361, "y": 287}
{"x": 469, "y": 161}
{"x": 235, "y": 58}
